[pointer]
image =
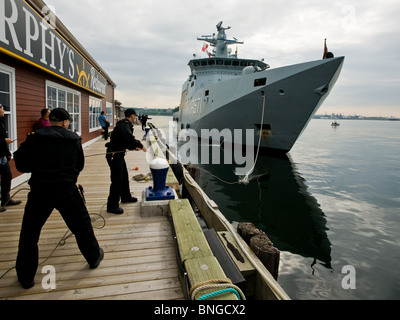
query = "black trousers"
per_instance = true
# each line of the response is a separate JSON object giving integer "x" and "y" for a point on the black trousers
{"x": 119, "y": 188}
{"x": 105, "y": 133}
{"x": 41, "y": 202}
{"x": 6, "y": 177}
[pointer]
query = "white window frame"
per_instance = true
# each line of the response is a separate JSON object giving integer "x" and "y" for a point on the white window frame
{"x": 12, "y": 114}
{"x": 109, "y": 113}
{"x": 76, "y": 117}
{"x": 94, "y": 123}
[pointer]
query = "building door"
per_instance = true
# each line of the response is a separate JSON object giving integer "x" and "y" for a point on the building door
{"x": 7, "y": 99}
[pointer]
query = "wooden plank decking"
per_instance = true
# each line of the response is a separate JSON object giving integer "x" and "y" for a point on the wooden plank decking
{"x": 139, "y": 253}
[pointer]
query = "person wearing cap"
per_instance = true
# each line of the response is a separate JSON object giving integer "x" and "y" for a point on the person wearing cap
{"x": 122, "y": 138}
{"x": 5, "y": 171}
{"x": 54, "y": 156}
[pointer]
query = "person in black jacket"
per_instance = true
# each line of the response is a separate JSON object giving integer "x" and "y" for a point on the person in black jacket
{"x": 5, "y": 171}
{"x": 144, "y": 119}
{"x": 122, "y": 138}
{"x": 54, "y": 156}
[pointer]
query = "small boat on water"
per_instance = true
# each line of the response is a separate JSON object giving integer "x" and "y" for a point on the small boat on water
{"x": 224, "y": 91}
{"x": 335, "y": 124}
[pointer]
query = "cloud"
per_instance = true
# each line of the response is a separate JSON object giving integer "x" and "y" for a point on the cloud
{"x": 145, "y": 46}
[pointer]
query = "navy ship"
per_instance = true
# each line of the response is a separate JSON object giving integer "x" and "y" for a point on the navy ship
{"x": 261, "y": 106}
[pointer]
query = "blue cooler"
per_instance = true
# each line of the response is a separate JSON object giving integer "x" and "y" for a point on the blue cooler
{"x": 159, "y": 191}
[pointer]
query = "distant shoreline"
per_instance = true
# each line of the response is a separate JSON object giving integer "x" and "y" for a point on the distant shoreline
{"x": 338, "y": 117}
{"x": 154, "y": 112}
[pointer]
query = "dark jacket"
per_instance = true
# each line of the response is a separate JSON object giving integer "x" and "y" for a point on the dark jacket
{"x": 4, "y": 151}
{"x": 53, "y": 154}
{"x": 122, "y": 137}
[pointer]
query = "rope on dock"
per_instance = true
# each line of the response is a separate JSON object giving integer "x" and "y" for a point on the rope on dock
{"x": 224, "y": 286}
{"x": 216, "y": 293}
{"x": 142, "y": 177}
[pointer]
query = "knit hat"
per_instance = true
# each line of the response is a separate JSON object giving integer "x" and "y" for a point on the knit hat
{"x": 129, "y": 112}
{"x": 59, "y": 114}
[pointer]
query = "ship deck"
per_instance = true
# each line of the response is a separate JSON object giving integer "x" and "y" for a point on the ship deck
{"x": 139, "y": 253}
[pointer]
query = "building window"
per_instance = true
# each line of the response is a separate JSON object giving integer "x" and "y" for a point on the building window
{"x": 7, "y": 100}
{"x": 62, "y": 97}
{"x": 94, "y": 113}
{"x": 109, "y": 112}
{"x": 260, "y": 82}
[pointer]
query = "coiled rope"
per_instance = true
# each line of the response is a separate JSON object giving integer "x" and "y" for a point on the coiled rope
{"x": 224, "y": 286}
{"x": 142, "y": 177}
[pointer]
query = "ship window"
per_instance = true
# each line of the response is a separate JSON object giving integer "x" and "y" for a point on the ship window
{"x": 227, "y": 62}
{"x": 220, "y": 62}
{"x": 235, "y": 63}
{"x": 195, "y": 63}
{"x": 207, "y": 92}
{"x": 204, "y": 62}
{"x": 260, "y": 82}
{"x": 243, "y": 63}
{"x": 211, "y": 62}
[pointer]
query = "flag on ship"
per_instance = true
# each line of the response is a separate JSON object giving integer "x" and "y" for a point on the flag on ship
{"x": 325, "y": 51}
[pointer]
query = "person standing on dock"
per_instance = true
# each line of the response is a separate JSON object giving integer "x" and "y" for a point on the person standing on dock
{"x": 54, "y": 156}
{"x": 5, "y": 171}
{"x": 104, "y": 123}
{"x": 145, "y": 117}
{"x": 122, "y": 138}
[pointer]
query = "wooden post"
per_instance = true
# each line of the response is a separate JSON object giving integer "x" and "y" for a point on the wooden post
{"x": 261, "y": 245}
{"x": 267, "y": 253}
{"x": 247, "y": 230}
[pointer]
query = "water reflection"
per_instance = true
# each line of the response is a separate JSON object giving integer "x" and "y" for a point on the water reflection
{"x": 276, "y": 200}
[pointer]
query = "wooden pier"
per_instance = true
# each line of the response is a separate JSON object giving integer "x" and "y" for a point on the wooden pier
{"x": 139, "y": 253}
{"x": 141, "y": 249}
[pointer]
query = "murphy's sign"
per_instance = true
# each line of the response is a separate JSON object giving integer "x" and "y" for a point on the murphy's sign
{"x": 24, "y": 34}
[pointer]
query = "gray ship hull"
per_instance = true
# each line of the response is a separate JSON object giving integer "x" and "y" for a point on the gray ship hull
{"x": 286, "y": 103}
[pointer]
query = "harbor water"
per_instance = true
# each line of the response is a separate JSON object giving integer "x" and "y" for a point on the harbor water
{"x": 331, "y": 206}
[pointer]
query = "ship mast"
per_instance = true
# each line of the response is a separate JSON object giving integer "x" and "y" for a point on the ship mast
{"x": 220, "y": 42}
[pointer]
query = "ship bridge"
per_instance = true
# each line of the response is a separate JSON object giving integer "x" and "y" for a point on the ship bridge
{"x": 211, "y": 70}
{"x": 226, "y": 64}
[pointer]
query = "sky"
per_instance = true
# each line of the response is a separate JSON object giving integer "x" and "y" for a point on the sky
{"x": 145, "y": 46}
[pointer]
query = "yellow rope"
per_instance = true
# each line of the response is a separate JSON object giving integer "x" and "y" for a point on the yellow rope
{"x": 218, "y": 286}
{"x": 194, "y": 287}
{"x": 214, "y": 284}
